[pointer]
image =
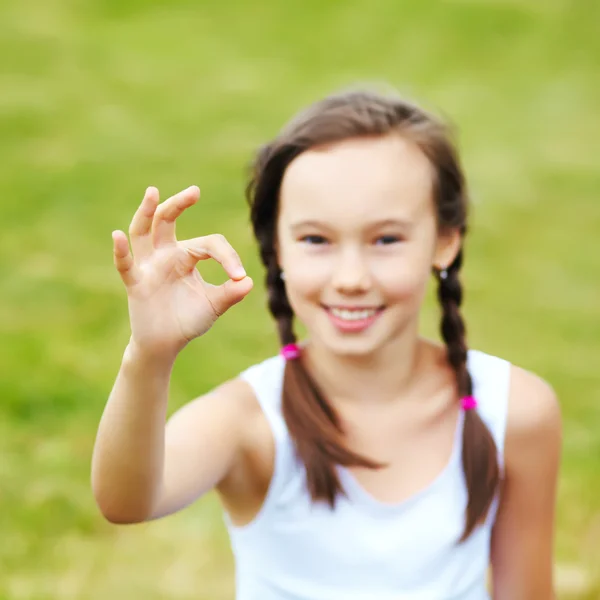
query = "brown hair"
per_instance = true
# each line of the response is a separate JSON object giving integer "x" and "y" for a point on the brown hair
{"x": 311, "y": 420}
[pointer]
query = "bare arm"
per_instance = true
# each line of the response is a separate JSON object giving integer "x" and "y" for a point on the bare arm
{"x": 523, "y": 536}
{"x": 127, "y": 463}
{"x": 138, "y": 467}
{"x": 142, "y": 469}
{"x": 204, "y": 445}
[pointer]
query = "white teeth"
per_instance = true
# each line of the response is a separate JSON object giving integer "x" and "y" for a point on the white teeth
{"x": 353, "y": 315}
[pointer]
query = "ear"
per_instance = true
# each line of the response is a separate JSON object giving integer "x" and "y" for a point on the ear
{"x": 447, "y": 247}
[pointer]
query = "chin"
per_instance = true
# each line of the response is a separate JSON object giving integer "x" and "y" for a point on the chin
{"x": 352, "y": 345}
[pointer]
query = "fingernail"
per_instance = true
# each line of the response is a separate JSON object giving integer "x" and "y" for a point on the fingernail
{"x": 239, "y": 272}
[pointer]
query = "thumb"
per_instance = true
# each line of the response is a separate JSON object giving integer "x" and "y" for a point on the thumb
{"x": 223, "y": 297}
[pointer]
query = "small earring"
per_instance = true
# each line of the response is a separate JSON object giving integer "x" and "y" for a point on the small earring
{"x": 282, "y": 276}
{"x": 443, "y": 274}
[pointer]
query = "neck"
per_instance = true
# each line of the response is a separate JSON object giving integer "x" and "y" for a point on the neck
{"x": 382, "y": 376}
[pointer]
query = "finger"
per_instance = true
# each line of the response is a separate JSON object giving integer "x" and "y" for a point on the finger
{"x": 214, "y": 246}
{"x": 223, "y": 297}
{"x": 141, "y": 224}
{"x": 123, "y": 259}
{"x": 163, "y": 225}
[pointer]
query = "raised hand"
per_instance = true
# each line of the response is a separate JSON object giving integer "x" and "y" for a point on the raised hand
{"x": 169, "y": 302}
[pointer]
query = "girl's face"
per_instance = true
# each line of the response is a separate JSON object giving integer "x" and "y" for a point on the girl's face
{"x": 357, "y": 239}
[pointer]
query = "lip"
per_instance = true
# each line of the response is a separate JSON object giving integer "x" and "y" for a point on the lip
{"x": 355, "y": 326}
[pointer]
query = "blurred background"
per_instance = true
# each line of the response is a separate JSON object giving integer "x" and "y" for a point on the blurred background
{"x": 100, "y": 99}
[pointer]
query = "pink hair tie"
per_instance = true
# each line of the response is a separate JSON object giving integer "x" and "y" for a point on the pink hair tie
{"x": 468, "y": 403}
{"x": 290, "y": 351}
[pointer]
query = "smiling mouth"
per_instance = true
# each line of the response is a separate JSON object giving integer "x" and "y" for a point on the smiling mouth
{"x": 353, "y": 314}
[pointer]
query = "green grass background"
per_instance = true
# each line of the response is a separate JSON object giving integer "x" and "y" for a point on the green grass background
{"x": 100, "y": 99}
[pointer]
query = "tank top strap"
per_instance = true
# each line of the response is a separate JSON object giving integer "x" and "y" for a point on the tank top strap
{"x": 491, "y": 383}
{"x": 266, "y": 381}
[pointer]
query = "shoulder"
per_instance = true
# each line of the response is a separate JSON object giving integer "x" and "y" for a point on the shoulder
{"x": 238, "y": 395}
{"x": 243, "y": 390}
{"x": 533, "y": 406}
{"x": 236, "y": 401}
{"x": 226, "y": 407}
{"x": 250, "y": 423}
{"x": 521, "y": 409}
{"x": 228, "y": 419}
{"x": 533, "y": 429}
{"x": 253, "y": 396}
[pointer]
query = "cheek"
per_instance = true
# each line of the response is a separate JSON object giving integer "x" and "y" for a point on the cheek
{"x": 403, "y": 279}
{"x": 403, "y": 285}
{"x": 306, "y": 277}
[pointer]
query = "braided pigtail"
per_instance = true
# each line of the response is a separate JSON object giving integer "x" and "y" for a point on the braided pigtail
{"x": 480, "y": 461}
{"x": 312, "y": 422}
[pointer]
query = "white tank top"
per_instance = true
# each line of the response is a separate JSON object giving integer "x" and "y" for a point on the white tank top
{"x": 295, "y": 549}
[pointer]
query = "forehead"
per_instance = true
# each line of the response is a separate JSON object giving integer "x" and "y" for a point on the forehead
{"x": 358, "y": 180}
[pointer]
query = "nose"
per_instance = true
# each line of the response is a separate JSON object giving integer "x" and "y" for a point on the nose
{"x": 351, "y": 273}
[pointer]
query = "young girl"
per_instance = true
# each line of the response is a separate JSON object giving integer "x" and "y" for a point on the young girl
{"x": 366, "y": 463}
